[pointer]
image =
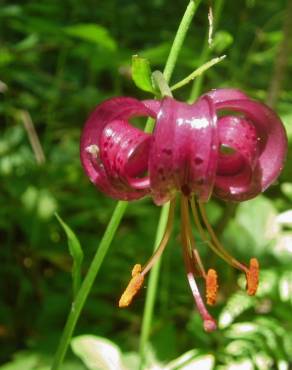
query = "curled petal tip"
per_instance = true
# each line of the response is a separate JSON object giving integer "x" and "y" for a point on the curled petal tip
{"x": 264, "y": 156}
{"x": 109, "y": 167}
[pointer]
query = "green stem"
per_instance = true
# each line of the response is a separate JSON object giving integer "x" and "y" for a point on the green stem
{"x": 179, "y": 38}
{"x": 197, "y": 86}
{"x": 152, "y": 288}
{"x": 161, "y": 83}
{"x": 88, "y": 281}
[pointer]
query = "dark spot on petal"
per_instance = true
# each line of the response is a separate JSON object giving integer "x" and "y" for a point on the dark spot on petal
{"x": 167, "y": 151}
{"x": 185, "y": 189}
{"x": 198, "y": 160}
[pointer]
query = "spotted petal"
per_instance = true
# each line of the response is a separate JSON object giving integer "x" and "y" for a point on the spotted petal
{"x": 183, "y": 154}
{"x": 264, "y": 156}
{"x": 108, "y": 125}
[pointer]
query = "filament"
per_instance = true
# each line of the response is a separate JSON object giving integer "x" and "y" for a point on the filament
{"x": 202, "y": 231}
{"x": 216, "y": 245}
{"x": 164, "y": 240}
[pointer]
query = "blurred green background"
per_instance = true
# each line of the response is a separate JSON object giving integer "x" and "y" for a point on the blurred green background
{"x": 57, "y": 61}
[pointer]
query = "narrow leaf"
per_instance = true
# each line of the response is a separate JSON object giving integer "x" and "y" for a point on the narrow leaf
{"x": 76, "y": 253}
{"x": 141, "y": 74}
{"x": 92, "y": 33}
{"x": 197, "y": 72}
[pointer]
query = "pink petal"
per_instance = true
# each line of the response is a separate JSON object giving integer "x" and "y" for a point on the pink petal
{"x": 116, "y": 109}
{"x": 124, "y": 153}
{"x": 184, "y": 150}
{"x": 153, "y": 105}
{"x": 271, "y": 143}
{"x": 222, "y": 95}
{"x": 234, "y": 171}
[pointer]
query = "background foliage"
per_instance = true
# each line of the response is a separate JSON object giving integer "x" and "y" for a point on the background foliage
{"x": 57, "y": 61}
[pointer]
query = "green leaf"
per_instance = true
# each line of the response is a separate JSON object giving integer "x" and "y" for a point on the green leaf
{"x": 222, "y": 40}
{"x": 255, "y": 216}
{"x": 22, "y": 361}
{"x": 192, "y": 360}
{"x": 205, "y": 362}
{"x": 92, "y": 33}
{"x": 235, "y": 306}
{"x": 76, "y": 253}
{"x": 97, "y": 353}
{"x": 141, "y": 74}
{"x": 6, "y": 57}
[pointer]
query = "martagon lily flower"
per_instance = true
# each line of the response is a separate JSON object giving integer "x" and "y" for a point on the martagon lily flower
{"x": 224, "y": 144}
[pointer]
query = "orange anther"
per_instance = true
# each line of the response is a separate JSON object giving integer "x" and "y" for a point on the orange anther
{"x": 252, "y": 276}
{"x": 133, "y": 287}
{"x": 136, "y": 270}
{"x": 211, "y": 286}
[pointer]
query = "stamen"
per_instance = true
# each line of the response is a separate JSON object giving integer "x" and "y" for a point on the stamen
{"x": 133, "y": 287}
{"x": 216, "y": 245}
{"x": 211, "y": 287}
{"x": 138, "y": 273}
{"x": 209, "y": 322}
{"x": 252, "y": 276}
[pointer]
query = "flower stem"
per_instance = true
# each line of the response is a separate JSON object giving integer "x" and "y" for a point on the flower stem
{"x": 197, "y": 86}
{"x": 161, "y": 83}
{"x": 152, "y": 288}
{"x": 88, "y": 281}
{"x": 179, "y": 38}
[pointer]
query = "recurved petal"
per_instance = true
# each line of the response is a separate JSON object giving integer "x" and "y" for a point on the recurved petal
{"x": 124, "y": 154}
{"x": 116, "y": 109}
{"x": 238, "y": 155}
{"x": 271, "y": 147}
